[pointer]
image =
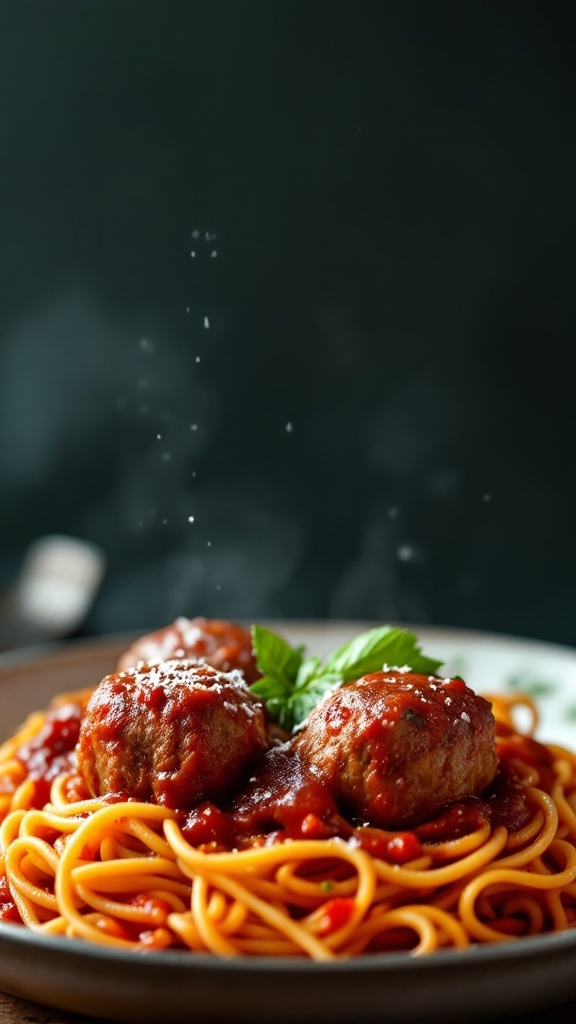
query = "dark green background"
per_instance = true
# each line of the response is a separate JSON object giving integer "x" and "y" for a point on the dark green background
{"x": 381, "y": 423}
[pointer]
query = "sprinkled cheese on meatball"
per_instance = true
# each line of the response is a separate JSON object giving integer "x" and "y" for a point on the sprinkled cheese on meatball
{"x": 396, "y": 746}
{"x": 173, "y": 733}
{"x": 224, "y": 645}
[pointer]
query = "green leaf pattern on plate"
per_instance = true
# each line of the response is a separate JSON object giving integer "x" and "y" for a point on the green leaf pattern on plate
{"x": 534, "y": 686}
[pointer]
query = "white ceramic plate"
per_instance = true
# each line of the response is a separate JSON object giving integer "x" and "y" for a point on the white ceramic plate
{"x": 478, "y": 984}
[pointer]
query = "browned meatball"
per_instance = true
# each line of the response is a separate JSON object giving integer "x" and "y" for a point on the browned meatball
{"x": 173, "y": 733}
{"x": 396, "y": 746}
{"x": 223, "y": 645}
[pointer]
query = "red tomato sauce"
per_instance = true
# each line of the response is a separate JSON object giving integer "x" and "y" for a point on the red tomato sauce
{"x": 8, "y": 909}
{"x": 284, "y": 799}
{"x": 52, "y": 750}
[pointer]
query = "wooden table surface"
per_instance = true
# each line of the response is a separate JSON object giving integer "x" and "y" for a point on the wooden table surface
{"x": 18, "y": 1011}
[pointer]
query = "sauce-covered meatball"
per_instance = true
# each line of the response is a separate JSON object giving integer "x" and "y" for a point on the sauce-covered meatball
{"x": 396, "y": 746}
{"x": 223, "y": 645}
{"x": 173, "y": 733}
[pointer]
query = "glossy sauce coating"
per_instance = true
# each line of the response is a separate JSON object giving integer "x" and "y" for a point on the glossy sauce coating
{"x": 394, "y": 747}
{"x": 173, "y": 733}
{"x": 52, "y": 750}
{"x": 284, "y": 799}
{"x": 224, "y": 645}
{"x": 279, "y": 794}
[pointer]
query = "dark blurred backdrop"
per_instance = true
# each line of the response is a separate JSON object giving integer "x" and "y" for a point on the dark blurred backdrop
{"x": 287, "y": 306}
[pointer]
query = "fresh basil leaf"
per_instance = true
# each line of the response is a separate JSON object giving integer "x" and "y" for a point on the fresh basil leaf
{"x": 308, "y": 669}
{"x": 277, "y": 712}
{"x": 292, "y": 686}
{"x": 271, "y": 689}
{"x": 297, "y": 712}
{"x": 319, "y": 684}
{"x": 274, "y": 655}
{"x": 308, "y": 693}
{"x": 383, "y": 645}
{"x": 284, "y": 715}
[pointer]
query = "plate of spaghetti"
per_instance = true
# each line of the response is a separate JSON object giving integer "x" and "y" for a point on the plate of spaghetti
{"x": 319, "y": 821}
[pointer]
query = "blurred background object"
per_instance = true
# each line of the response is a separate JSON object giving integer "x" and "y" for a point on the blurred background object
{"x": 288, "y": 307}
{"x": 53, "y": 592}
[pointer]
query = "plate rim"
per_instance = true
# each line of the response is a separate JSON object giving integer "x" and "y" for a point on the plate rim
{"x": 197, "y": 972}
{"x": 78, "y": 645}
{"x": 483, "y": 953}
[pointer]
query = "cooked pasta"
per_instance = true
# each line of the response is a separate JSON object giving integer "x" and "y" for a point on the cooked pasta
{"x": 122, "y": 872}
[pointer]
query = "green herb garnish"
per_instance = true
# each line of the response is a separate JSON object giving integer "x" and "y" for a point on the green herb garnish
{"x": 293, "y": 684}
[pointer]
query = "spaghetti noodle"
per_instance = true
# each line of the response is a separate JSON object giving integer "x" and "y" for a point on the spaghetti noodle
{"x": 123, "y": 872}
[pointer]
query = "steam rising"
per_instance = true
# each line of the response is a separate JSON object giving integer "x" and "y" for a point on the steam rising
{"x": 130, "y": 466}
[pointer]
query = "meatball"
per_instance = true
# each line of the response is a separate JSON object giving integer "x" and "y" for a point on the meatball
{"x": 223, "y": 645}
{"x": 396, "y": 746}
{"x": 173, "y": 733}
